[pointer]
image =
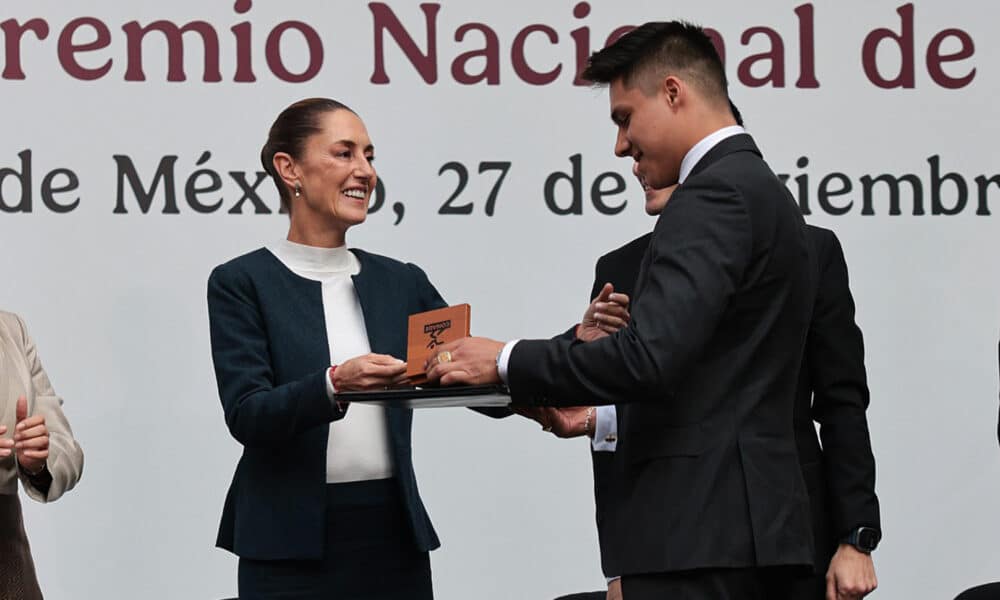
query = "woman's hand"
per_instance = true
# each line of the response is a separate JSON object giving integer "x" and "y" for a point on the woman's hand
{"x": 31, "y": 439}
{"x": 615, "y": 589}
{"x": 369, "y": 372}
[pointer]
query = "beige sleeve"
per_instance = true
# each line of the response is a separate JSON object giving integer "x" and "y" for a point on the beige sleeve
{"x": 65, "y": 462}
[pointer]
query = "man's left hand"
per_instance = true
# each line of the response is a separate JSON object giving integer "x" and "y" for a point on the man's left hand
{"x": 851, "y": 575}
{"x": 468, "y": 361}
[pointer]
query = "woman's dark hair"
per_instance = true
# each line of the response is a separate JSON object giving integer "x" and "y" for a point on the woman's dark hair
{"x": 288, "y": 134}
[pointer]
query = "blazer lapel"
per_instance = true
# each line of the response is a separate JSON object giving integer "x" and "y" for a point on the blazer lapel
{"x": 303, "y": 301}
{"x": 15, "y": 380}
{"x": 377, "y": 295}
{"x": 6, "y": 387}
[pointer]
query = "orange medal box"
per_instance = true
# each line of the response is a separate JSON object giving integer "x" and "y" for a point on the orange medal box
{"x": 427, "y": 331}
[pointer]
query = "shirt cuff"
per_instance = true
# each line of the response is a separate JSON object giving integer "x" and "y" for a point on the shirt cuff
{"x": 330, "y": 390}
{"x": 605, "y": 429}
{"x": 610, "y": 579}
{"x": 503, "y": 359}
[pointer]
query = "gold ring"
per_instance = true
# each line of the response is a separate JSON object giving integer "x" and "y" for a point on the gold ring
{"x": 444, "y": 357}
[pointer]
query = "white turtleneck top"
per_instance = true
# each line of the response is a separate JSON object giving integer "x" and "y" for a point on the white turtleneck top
{"x": 358, "y": 447}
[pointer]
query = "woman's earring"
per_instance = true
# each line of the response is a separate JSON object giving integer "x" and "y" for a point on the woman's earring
{"x": 298, "y": 190}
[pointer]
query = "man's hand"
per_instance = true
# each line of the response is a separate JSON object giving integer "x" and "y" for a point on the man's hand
{"x": 470, "y": 361}
{"x": 615, "y": 589}
{"x": 31, "y": 439}
{"x": 607, "y": 313}
{"x": 562, "y": 422}
{"x": 851, "y": 575}
{"x": 369, "y": 372}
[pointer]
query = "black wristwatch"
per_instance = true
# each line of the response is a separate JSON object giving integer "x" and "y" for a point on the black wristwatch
{"x": 864, "y": 539}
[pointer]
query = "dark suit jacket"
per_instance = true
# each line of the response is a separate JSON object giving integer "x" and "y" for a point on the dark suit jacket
{"x": 271, "y": 356}
{"x": 832, "y": 391}
{"x": 710, "y": 362}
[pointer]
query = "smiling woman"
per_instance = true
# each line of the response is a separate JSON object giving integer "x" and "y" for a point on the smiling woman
{"x": 319, "y": 152}
{"x": 324, "y": 501}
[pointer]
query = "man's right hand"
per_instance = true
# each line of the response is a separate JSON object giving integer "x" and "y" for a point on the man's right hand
{"x": 607, "y": 313}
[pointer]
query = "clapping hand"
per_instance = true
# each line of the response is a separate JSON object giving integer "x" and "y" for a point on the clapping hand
{"x": 607, "y": 313}
{"x": 31, "y": 439}
{"x": 6, "y": 444}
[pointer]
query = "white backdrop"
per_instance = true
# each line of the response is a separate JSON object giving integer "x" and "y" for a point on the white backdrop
{"x": 117, "y": 301}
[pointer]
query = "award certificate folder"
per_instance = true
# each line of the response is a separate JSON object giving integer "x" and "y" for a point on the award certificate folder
{"x": 432, "y": 397}
{"x": 427, "y": 331}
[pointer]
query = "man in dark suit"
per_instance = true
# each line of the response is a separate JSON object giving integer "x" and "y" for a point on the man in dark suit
{"x": 715, "y": 503}
{"x": 832, "y": 391}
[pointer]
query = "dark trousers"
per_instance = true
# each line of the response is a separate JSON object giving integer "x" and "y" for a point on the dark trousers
{"x": 764, "y": 583}
{"x": 810, "y": 586}
{"x": 370, "y": 553}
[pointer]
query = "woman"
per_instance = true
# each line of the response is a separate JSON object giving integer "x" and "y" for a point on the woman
{"x": 324, "y": 502}
{"x": 36, "y": 447}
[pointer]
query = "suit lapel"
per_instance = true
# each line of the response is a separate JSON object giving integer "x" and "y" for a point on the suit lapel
{"x": 737, "y": 143}
{"x": 632, "y": 264}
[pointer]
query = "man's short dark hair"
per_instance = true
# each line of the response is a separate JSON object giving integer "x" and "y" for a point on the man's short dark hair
{"x": 661, "y": 49}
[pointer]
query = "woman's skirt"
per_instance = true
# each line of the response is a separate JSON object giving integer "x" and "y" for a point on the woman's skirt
{"x": 369, "y": 554}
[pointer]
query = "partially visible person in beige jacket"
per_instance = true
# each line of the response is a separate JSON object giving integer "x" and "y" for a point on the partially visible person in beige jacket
{"x": 36, "y": 448}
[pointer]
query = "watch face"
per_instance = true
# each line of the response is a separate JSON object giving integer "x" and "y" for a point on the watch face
{"x": 867, "y": 538}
